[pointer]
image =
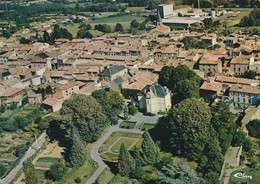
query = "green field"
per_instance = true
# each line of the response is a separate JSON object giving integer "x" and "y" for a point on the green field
{"x": 117, "y": 19}
{"x": 112, "y": 21}
{"x": 254, "y": 173}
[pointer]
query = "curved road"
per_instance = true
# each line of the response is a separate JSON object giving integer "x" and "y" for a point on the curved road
{"x": 11, "y": 175}
{"x": 95, "y": 154}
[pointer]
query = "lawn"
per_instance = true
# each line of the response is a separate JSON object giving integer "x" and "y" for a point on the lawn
{"x": 105, "y": 177}
{"x": 84, "y": 171}
{"x": 116, "y": 135}
{"x": 146, "y": 126}
{"x": 72, "y": 28}
{"x": 129, "y": 143}
{"x": 118, "y": 179}
{"x": 111, "y": 146}
{"x": 254, "y": 173}
{"x": 48, "y": 159}
{"x": 128, "y": 124}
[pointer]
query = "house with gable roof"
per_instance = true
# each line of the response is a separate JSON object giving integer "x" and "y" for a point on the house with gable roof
{"x": 111, "y": 73}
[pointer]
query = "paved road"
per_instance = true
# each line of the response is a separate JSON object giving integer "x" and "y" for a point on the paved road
{"x": 27, "y": 155}
{"x": 95, "y": 154}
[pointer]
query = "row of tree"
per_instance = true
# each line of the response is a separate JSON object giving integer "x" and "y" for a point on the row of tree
{"x": 83, "y": 32}
{"x": 252, "y": 20}
{"x": 134, "y": 164}
{"x": 58, "y": 32}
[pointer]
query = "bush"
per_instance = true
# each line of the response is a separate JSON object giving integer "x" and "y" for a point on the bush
{"x": 78, "y": 180}
{"x": 21, "y": 150}
{"x": 254, "y": 128}
{"x": 56, "y": 171}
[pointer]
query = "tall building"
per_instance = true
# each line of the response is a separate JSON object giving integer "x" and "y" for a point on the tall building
{"x": 165, "y": 10}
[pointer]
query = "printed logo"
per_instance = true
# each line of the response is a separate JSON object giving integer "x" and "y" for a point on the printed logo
{"x": 243, "y": 176}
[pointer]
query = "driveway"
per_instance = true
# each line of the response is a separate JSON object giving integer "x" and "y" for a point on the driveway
{"x": 95, "y": 154}
{"x": 140, "y": 118}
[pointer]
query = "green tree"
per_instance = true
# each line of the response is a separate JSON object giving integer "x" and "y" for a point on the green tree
{"x": 23, "y": 40}
{"x": 223, "y": 121}
{"x": 254, "y": 128}
{"x": 240, "y": 139}
{"x": 46, "y": 37}
{"x": 77, "y": 152}
{"x": 49, "y": 89}
{"x": 150, "y": 149}
{"x": 119, "y": 28}
{"x": 165, "y": 76}
{"x": 187, "y": 89}
{"x": 137, "y": 156}
{"x": 30, "y": 175}
{"x": 249, "y": 74}
{"x": 132, "y": 109}
{"x": 126, "y": 164}
{"x": 212, "y": 177}
{"x": 84, "y": 115}
{"x": 56, "y": 171}
{"x": 111, "y": 102}
{"x": 3, "y": 169}
{"x": 152, "y": 5}
{"x": 134, "y": 24}
{"x": 178, "y": 173}
{"x": 83, "y": 33}
{"x": 189, "y": 126}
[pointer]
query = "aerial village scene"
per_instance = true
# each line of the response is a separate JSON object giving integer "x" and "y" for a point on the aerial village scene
{"x": 129, "y": 92}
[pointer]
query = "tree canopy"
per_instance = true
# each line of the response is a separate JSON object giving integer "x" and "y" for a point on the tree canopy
{"x": 223, "y": 121}
{"x": 83, "y": 114}
{"x": 254, "y": 128}
{"x": 126, "y": 163}
{"x": 111, "y": 103}
{"x": 183, "y": 82}
{"x": 190, "y": 127}
{"x": 150, "y": 150}
{"x": 178, "y": 173}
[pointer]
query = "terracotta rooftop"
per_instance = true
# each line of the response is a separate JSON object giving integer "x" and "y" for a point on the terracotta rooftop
{"x": 69, "y": 85}
{"x": 211, "y": 86}
{"x": 245, "y": 89}
{"x": 241, "y": 60}
{"x": 235, "y": 80}
{"x": 52, "y": 101}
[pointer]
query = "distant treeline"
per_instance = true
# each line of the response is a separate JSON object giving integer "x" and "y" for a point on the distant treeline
{"x": 252, "y": 20}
